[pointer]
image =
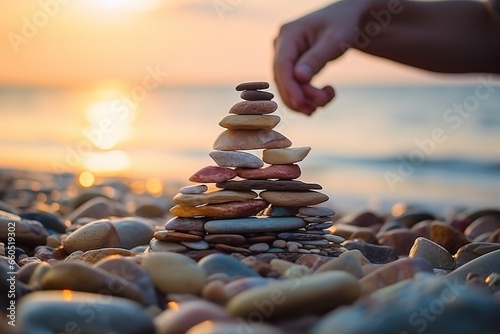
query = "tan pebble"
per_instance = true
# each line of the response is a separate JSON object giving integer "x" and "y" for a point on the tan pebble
{"x": 174, "y": 273}
{"x": 280, "y": 265}
{"x": 214, "y": 292}
{"x": 296, "y": 198}
{"x": 285, "y": 155}
{"x": 279, "y": 243}
{"x": 249, "y": 122}
{"x": 53, "y": 241}
{"x": 318, "y": 293}
{"x": 230, "y": 140}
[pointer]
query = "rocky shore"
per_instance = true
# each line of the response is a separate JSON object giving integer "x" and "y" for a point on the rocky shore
{"x": 247, "y": 247}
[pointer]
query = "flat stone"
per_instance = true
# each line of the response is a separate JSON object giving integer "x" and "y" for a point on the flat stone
{"x": 166, "y": 246}
{"x": 281, "y": 211}
{"x": 279, "y": 185}
{"x": 80, "y": 276}
{"x": 256, "y": 95}
{"x": 226, "y": 264}
{"x": 228, "y": 239}
{"x": 195, "y": 189}
{"x": 186, "y": 224}
{"x": 214, "y": 197}
{"x": 320, "y": 226}
{"x": 174, "y": 273}
{"x": 299, "y": 236}
{"x": 483, "y": 266}
{"x": 318, "y": 220}
{"x": 254, "y": 108}
{"x": 316, "y": 294}
{"x": 295, "y": 198}
{"x": 260, "y": 239}
{"x": 253, "y": 225}
{"x": 98, "y": 208}
{"x": 189, "y": 314}
{"x": 236, "y": 159}
{"x": 232, "y": 249}
{"x": 95, "y": 235}
{"x": 175, "y": 236}
{"x": 211, "y": 174}
{"x": 280, "y": 172}
{"x": 224, "y": 210}
{"x": 316, "y": 211}
{"x": 198, "y": 245}
{"x": 61, "y": 312}
{"x": 337, "y": 239}
{"x": 50, "y": 221}
{"x": 250, "y": 122}
{"x": 252, "y": 85}
{"x": 259, "y": 247}
{"x": 133, "y": 231}
{"x": 435, "y": 254}
{"x": 231, "y": 140}
{"x": 285, "y": 155}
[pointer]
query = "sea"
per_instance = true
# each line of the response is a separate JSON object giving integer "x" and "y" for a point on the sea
{"x": 429, "y": 147}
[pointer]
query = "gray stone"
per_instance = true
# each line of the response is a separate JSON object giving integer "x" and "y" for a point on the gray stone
{"x": 437, "y": 256}
{"x": 236, "y": 159}
{"x": 253, "y": 224}
{"x": 226, "y": 264}
{"x": 194, "y": 189}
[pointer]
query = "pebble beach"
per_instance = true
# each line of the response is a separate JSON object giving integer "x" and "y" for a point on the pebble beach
{"x": 244, "y": 246}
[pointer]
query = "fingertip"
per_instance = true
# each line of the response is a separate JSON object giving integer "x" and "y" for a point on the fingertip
{"x": 303, "y": 72}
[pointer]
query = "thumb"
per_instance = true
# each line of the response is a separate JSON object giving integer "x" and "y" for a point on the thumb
{"x": 326, "y": 48}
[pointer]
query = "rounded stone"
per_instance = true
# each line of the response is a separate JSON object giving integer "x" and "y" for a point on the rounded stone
{"x": 316, "y": 211}
{"x": 231, "y": 140}
{"x": 256, "y": 95}
{"x": 447, "y": 236}
{"x": 271, "y": 185}
{"x": 236, "y": 159}
{"x": 194, "y": 189}
{"x": 198, "y": 245}
{"x": 252, "y": 85}
{"x": 347, "y": 263}
{"x": 176, "y": 236}
{"x": 435, "y": 254}
{"x": 483, "y": 266}
{"x": 221, "y": 263}
{"x": 297, "y": 198}
{"x": 260, "y": 247}
{"x": 317, "y": 293}
{"x": 250, "y": 122}
{"x": 96, "y": 255}
{"x": 61, "y": 312}
{"x": 226, "y": 238}
{"x": 95, "y": 235}
{"x": 133, "y": 231}
{"x": 285, "y": 155}
{"x": 211, "y": 174}
{"x": 174, "y": 273}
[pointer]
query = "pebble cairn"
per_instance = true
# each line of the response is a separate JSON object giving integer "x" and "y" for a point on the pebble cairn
{"x": 254, "y": 208}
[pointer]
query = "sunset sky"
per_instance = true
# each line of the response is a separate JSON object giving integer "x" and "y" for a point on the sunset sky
{"x": 80, "y": 42}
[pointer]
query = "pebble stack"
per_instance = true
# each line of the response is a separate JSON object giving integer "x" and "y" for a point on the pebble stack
{"x": 258, "y": 204}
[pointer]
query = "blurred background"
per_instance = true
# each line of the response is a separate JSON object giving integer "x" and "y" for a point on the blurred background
{"x": 135, "y": 89}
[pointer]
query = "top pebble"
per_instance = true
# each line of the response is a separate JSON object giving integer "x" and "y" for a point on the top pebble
{"x": 253, "y": 85}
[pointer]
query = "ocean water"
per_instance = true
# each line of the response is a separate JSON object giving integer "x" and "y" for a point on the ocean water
{"x": 433, "y": 146}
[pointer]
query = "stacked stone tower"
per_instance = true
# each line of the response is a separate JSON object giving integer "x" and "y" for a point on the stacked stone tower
{"x": 258, "y": 204}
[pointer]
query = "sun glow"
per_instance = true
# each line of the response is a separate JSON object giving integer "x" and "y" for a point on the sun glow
{"x": 127, "y": 5}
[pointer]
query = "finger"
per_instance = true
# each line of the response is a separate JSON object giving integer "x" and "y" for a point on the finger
{"x": 315, "y": 58}
{"x": 287, "y": 50}
{"x": 318, "y": 97}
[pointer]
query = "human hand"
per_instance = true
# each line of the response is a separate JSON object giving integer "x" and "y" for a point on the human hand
{"x": 303, "y": 47}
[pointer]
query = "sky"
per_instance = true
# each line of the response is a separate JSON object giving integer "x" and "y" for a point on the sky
{"x": 197, "y": 42}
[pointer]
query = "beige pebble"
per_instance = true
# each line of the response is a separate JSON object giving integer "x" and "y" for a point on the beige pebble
{"x": 285, "y": 155}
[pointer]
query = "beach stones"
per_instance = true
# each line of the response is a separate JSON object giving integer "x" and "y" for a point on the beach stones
{"x": 319, "y": 293}
{"x": 238, "y": 218}
{"x": 435, "y": 254}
